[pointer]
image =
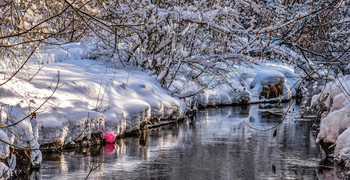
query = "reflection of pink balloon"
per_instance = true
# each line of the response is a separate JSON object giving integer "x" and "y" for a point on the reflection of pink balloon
{"x": 109, "y": 149}
{"x": 109, "y": 137}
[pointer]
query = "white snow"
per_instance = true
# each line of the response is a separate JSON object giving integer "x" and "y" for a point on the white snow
{"x": 237, "y": 84}
{"x": 5, "y": 171}
{"x": 342, "y": 148}
{"x": 91, "y": 98}
{"x": 335, "y": 122}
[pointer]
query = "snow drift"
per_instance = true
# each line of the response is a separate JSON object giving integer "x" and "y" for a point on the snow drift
{"x": 335, "y": 120}
{"x": 85, "y": 98}
{"x": 88, "y": 99}
{"x": 236, "y": 84}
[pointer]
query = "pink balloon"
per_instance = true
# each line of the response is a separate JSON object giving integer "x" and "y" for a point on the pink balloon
{"x": 109, "y": 137}
{"x": 109, "y": 149}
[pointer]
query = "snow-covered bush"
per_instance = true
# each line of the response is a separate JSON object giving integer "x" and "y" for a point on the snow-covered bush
{"x": 162, "y": 36}
{"x": 205, "y": 52}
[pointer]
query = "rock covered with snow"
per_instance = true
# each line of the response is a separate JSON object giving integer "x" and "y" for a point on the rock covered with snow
{"x": 335, "y": 120}
{"x": 271, "y": 82}
{"x": 5, "y": 171}
{"x": 334, "y": 124}
{"x": 238, "y": 84}
{"x": 18, "y": 131}
{"x": 342, "y": 148}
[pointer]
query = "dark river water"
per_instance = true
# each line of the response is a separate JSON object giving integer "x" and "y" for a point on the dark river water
{"x": 219, "y": 143}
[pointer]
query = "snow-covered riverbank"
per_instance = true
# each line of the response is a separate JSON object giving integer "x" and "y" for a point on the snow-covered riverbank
{"x": 84, "y": 98}
{"x": 335, "y": 120}
{"x": 89, "y": 99}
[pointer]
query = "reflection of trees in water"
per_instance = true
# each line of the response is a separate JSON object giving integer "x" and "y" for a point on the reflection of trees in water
{"x": 259, "y": 151}
{"x": 215, "y": 144}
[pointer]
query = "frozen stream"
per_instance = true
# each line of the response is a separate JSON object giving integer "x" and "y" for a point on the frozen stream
{"x": 217, "y": 144}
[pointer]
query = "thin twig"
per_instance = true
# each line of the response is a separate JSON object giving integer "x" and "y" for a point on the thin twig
{"x": 34, "y": 112}
{"x": 92, "y": 169}
{"x": 25, "y": 62}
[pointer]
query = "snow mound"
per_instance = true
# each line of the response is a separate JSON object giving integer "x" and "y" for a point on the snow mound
{"x": 335, "y": 121}
{"x": 237, "y": 84}
{"x": 265, "y": 77}
{"x": 342, "y": 148}
{"x": 268, "y": 76}
{"x": 88, "y": 99}
{"x": 5, "y": 171}
{"x": 23, "y": 134}
{"x": 333, "y": 125}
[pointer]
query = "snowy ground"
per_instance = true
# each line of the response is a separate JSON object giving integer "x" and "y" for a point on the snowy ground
{"x": 90, "y": 98}
{"x": 335, "y": 121}
{"x": 238, "y": 84}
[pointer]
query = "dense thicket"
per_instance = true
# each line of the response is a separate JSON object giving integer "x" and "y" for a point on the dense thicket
{"x": 164, "y": 36}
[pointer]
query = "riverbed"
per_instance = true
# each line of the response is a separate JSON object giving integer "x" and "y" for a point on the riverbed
{"x": 232, "y": 142}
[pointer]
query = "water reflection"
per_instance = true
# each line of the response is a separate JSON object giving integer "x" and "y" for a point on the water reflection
{"x": 216, "y": 144}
